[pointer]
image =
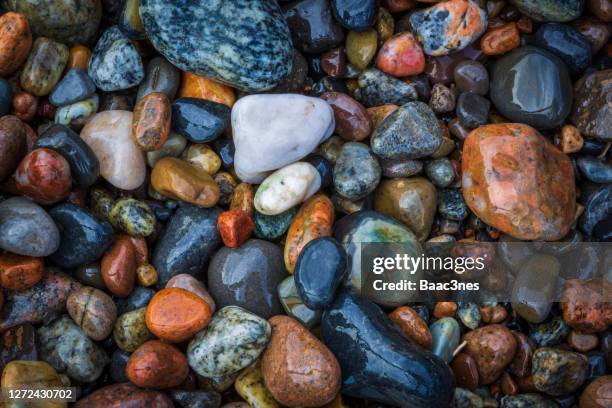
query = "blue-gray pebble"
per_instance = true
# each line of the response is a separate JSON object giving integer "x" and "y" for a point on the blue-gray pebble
{"x": 74, "y": 87}
{"x": 356, "y": 172}
{"x": 199, "y": 120}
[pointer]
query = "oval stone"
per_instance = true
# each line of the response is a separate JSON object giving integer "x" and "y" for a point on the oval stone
{"x": 188, "y": 282}
{"x": 532, "y": 195}
{"x": 356, "y": 172}
{"x": 156, "y": 364}
{"x": 231, "y": 55}
{"x": 493, "y": 348}
{"x": 119, "y": 267}
{"x": 177, "y": 179}
{"x": 352, "y": 120}
{"x": 15, "y": 42}
{"x": 44, "y": 66}
{"x": 93, "y": 310}
{"x": 151, "y": 121}
{"x": 125, "y": 394}
{"x": 567, "y": 43}
{"x": 131, "y": 331}
{"x": 598, "y": 394}
{"x": 592, "y": 114}
{"x": 44, "y": 176}
{"x": 558, "y": 372}
{"x": 199, "y": 120}
{"x": 31, "y": 374}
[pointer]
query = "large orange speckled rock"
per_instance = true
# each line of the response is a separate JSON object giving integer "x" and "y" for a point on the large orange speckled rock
{"x": 297, "y": 368}
{"x": 518, "y": 182}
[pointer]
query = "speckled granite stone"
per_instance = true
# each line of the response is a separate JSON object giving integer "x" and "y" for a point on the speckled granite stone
{"x": 245, "y": 43}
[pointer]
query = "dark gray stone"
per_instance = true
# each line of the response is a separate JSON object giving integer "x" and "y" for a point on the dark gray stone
{"x": 377, "y": 88}
{"x": 74, "y": 87}
{"x": 356, "y": 172}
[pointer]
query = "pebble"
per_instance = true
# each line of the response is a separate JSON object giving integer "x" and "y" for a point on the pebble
{"x": 75, "y": 86}
{"x": 286, "y": 188}
{"x": 598, "y": 394}
{"x": 520, "y": 366}
{"x": 376, "y": 360}
{"x": 400, "y": 168}
{"x": 294, "y": 306}
{"x": 597, "y": 212}
{"x": 133, "y": 217}
{"x": 160, "y": 76}
{"x": 173, "y": 147}
{"x": 445, "y": 335}
{"x": 449, "y": 26}
{"x": 211, "y": 356}
{"x": 272, "y": 227}
{"x": 361, "y": 47}
{"x": 295, "y": 80}
{"x": 44, "y": 176}
{"x": 532, "y": 86}
{"x": 333, "y": 62}
{"x": 471, "y": 76}
{"x": 15, "y": 42}
{"x": 442, "y": 99}
{"x": 527, "y": 400}
{"x": 412, "y": 325}
{"x": 314, "y": 219}
{"x": 465, "y": 371}
{"x": 199, "y": 120}
{"x": 547, "y": 10}
{"x": 93, "y": 311}
{"x": 191, "y": 284}
{"x": 534, "y": 287}
{"x": 151, "y": 121}
{"x": 261, "y": 123}
{"x": 83, "y": 237}
{"x": 156, "y": 364}
{"x": 44, "y": 66}
{"x": 131, "y": 331}
{"x": 492, "y": 347}
{"x": 6, "y": 96}
{"x": 18, "y": 272}
{"x": 379, "y": 113}
{"x": 356, "y": 171}
{"x": 203, "y": 156}
{"x": 118, "y": 267}
{"x": 591, "y": 113}
{"x": 64, "y": 345}
{"x": 567, "y": 43}
{"x": 21, "y": 374}
{"x": 195, "y": 86}
{"x": 78, "y": 57}
{"x": 410, "y": 200}
{"x": 195, "y": 44}
{"x": 466, "y": 399}
{"x": 469, "y": 314}
{"x": 441, "y": 172}
{"x": 187, "y": 242}
{"x": 79, "y": 113}
{"x": 129, "y": 21}
{"x": 196, "y": 398}
{"x": 176, "y": 315}
{"x": 247, "y": 276}
{"x": 584, "y": 306}
{"x": 473, "y": 109}
{"x": 125, "y": 394}
{"x": 557, "y": 372}
{"x": 377, "y": 88}
{"x": 549, "y": 333}
{"x": 352, "y": 120}
{"x": 19, "y": 343}
{"x": 324, "y": 167}
{"x": 235, "y": 227}
{"x": 355, "y": 14}
{"x": 313, "y": 28}
{"x": 292, "y": 347}
{"x": 540, "y": 176}
{"x": 122, "y": 163}
{"x": 84, "y": 165}
{"x": 251, "y": 387}
{"x": 401, "y": 55}
{"x": 177, "y": 179}
{"x": 582, "y": 342}
{"x": 319, "y": 271}
{"x": 595, "y": 170}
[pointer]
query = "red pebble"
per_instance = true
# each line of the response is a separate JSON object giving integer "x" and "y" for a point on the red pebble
{"x": 235, "y": 227}
{"x": 401, "y": 55}
{"x": 44, "y": 176}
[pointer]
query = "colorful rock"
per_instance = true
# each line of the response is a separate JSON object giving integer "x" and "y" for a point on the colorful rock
{"x": 93, "y": 310}
{"x": 195, "y": 86}
{"x": 591, "y": 113}
{"x": 44, "y": 66}
{"x": 151, "y": 121}
{"x": 19, "y": 272}
{"x": 492, "y": 347}
{"x": 156, "y": 364}
{"x": 177, "y": 179}
{"x": 15, "y": 42}
{"x": 401, "y": 55}
{"x": 235, "y": 227}
{"x": 119, "y": 267}
{"x": 352, "y": 120}
{"x": 412, "y": 325}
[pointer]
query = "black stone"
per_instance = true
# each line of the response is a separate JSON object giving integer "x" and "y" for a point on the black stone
{"x": 199, "y": 120}
{"x": 139, "y": 297}
{"x": 313, "y": 28}
{"x": 567, "y": 43}
{"x": 84, "y": 238}
{"x": 473, "y": 109}
{"x": 597, "y": 218}
{"x": 319, "y": 271}
{"x": 6, "y": 97}
{"x": 74, "y": 87}
{"x": 380, "y": 364}
{"x": 597, "y": 365}
{"x": 117, "y": 365}
{"x": 597, "y": 171}
{"x": 294, "y": 81}
{"x": 225, "y": 149}
{"x": 187, "y": 243}
{"x": 355, "y": 15}
{"x": 84, "y": 165}
{"x": 324, "y": 167}
{"x": 451, "y": 204}
{"x": 328, "y": 84}
{"x": 196, "y": 398}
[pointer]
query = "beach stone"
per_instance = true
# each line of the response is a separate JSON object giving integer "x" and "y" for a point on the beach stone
{"x": 261, "y": 124}
{"x": 356, "y": 172}
{"x": 78, "y": 113}
{"x": 133, "y": 217}
{"x": 534, "y": 287}
{"x": 377, "y": 88}
{"x": 549, "y": 333}
{"x": 547, "y": 10}
{"x": 174, "y": 146}
{"x": 449, "y": 26}
{"x": 532, "y": 86}
{"x": 156, "y": 364}
{"x": 18, "y": 272}
{"x": 84, "y": 238}
{"x": 195, "y": 86}
{"x": 598, "y": 393}
{"x": 31, "y": 374}
{"x": 291, "y": 346}
{"x": 465, "y": 371}
{"x": 567, "y": 43}
{"x": 177, "y": 179}
{"x": 64, "y": 345}
{"x": 118, "y": 267}
{"x": 286, "y": 188}
{"x": 131, "y": 331}
{"x": 272, "y": 227}
{"x": 151, "y": 121}
{"x": 13, "y": 144}
{"x": 109, "y": 135}
{"x": 493, "y": 348}
{"x": 199, "y": 120}
{"x": 440, "y": 172}
{"x": 15, "y": 42}
{"x": 294, "y": 306}
{"x": 312, "y": 25}
{"x": 139, "y": 297}
{"x": 160, "y": 76}
{"x": 191, "y": 284}
{"x": 67, "y": 21}
{"x": 401, "y": 55}
{"x": 44, "y": 176}
{"x": 412, "y": 325}
{"x": 230, "y": 55}
{"x": 115, "y": 63}
{"x": 251, "y": 387}
{"x": 125, "y": 394}
{"x": 361, "y": 47}
{"x": 44, "y": 66}
{"x": 211, "y": 356}
{"x": 355, "y": 14}
{"x": 352, "y": 120}
{"x": 196, "y": 398}
{"x": 411, "y": 132}
{"x": 247, "y": 276}
{"x": 84, "y": 165}
{"x": 584, "y": 306}
{"x": 203, "y": 156}
{"x": 592, "y": 113}
{"x": 410, "y": 200}
{"x": 445, "y": 335}
{"x": 596, "y": 218}
{"x": 527, "y": 400}
{"x": 451, "y": 204}
{"x": 543, "y": 190}
{"x": 366, "y": 344}
{"x": 473, "y": 109}
{"x": 501, "y": 39}
{"x": 75, "y": 86}
{"x": 471, "y": 76}
{"x": 557, "y": 372}
{"x": 18, "y": 343}
{"x": 324, "y": 168}
{"x": 93, "y": 310}
{"x": 595, "y": 170}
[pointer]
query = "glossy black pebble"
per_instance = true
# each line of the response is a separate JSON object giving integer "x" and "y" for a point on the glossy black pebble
{"x": 199, "y": 120}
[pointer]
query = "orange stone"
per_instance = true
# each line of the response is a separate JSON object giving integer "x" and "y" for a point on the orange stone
{"x": 571, "y": 139}
{"x": 78, "y": 58}
{"x": 176, "y": 314}
{"x": 412, "y": 325}
{"x": 586, "y": 306}
{"x": 314, "y": 219}
{"x": 151, "y": 121}
{"x": 401, "y": 55}
{"x": 156, "y": 364}
{"x": 119, "y": 267}
{"x": 177, "y": 179}
{"x": 235, "y": 227}
{"x": 140, "y": 246}
{"x": 15, "y": 42}
{"x": 379, "y": 113}
{"x": 195, "y": 86}
{"x": 445, "y": 309}
{"x": 501, "y": 40}
{"x": 518, "y": 182}
{"x": 19, "y": 272}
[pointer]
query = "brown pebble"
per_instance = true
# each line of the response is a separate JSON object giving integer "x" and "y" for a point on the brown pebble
{"x": 25, "y": 105}
{"x": 15, "y": 42}
{"x": 582, "y": 342}
{"x": 492, "y": 347}
{"x": 412, "y": 325}
{"x": 465, "y": 370}
{"x": 93, "y": 310}
{"x": 119, "y": 267}
{"x": 508, "y": 386}
{"x": 18, "y": 272}
{"x": 445, "y": 309}
{"x": 598, "y": 394}
{"x": 352, "y": 120}
{"x": 571, "y": 140}
{"x": 156, "y": 364}
{"x": 124, "y": 395}
{"x": 521, "y": 362}
{"x": 500, "y": 40}
{"x": 242, "y": 198}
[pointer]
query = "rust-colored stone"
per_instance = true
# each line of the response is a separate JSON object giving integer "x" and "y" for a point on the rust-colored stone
{"x": 235, "y": 227}
{"x": 298, "y": 369}
{"x": 465, "y": 370}
{"x": 151, "y": 121}
{"x": 314, "y": 219}
{"x": 598, "y": 394}
{"x": 501, "y": 40}
{"x": 492, "y": 347}
{"x": 124, "y": 395}
{"x": 352, "y": 120}
{"x": 412, "y": 325}
{"x": 141, "y": 248}
{"x": 333, "y": 62}
{"x": 508, "y": 386}
{"x": 585, "y": 305}
{"x": 582, "y": 342}
{"x": 15, "y": 42}
{"x": 242, "y": 198}
{"x": 19, "y": 272}
{"x": 119, "y": 267}
{"x": 44, "y": 176}
{"x": 401, "y": 55}
{"x": 146, "y": 274}
{"x": 156, "y": 364}
{"x": 78, "y": 57}
{"x": 445, "y": 309}
{"x": 518, "y": 182}
{"x": 571, "y": 139}
{"x": 25, "y": 105}
{"x": 176, "y": 314}
{"x": 195, "y": 86}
